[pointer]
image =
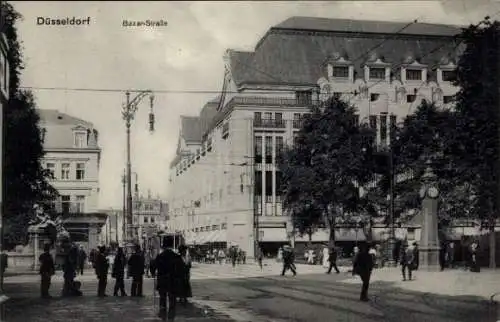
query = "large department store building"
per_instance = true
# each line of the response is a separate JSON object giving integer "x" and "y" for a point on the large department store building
{"x": 225, "y": 179}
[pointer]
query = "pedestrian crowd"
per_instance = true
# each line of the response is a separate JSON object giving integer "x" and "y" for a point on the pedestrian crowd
{"x": 172, "y": 268}
{"x": 172, "y": 272}
{"x": 233, "y": 254}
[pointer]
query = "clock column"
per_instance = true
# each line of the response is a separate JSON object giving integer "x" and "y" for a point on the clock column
{"x": 429, "y": 240}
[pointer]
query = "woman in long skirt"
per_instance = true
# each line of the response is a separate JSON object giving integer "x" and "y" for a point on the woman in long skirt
{"x": 185, "y": 291}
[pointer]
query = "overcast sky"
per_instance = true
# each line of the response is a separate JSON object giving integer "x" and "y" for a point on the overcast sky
{"x": 185, "y": 55}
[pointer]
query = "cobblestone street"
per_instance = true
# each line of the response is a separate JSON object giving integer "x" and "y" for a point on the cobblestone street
{"x": 310, "y": 296}
{"x": 26, "y": 305}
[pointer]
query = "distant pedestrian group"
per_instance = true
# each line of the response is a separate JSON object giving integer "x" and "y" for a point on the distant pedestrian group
{"x": 172, "y": 283}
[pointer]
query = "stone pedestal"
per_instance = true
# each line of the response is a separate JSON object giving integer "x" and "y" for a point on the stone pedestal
{"x": 35, "y": 243}
{"x": 391, "y": 245}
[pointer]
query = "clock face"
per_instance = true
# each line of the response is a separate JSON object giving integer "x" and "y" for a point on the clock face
{"x": 432, "y": 192}
{"x": 422, "y": 192}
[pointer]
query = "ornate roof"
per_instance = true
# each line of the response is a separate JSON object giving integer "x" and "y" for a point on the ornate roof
{"x": 294, "y": 51}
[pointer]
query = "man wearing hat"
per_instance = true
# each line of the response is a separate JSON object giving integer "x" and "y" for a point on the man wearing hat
{"x": 288, "y": 259}
{"x": 170, "y": 273}
{"x": 136, "y": 264}
{"x": 47, "y": 270}
{"x": 101, "y": 270}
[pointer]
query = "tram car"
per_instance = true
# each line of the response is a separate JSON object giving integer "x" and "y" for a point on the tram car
{"x": 155, "y": 242}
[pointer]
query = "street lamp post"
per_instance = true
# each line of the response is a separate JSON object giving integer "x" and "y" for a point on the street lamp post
{"x": 392, "y": 229}
{"x": 128, "y": 113}
{"x": 116, "y": 227}
{"x": 390, "y": 197}
{"x": 124, "y": 212}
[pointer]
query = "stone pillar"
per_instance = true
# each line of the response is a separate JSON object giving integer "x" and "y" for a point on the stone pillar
{"x": 429, "y": 240}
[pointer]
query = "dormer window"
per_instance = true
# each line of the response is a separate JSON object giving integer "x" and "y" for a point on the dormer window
{"x": 340, "y": 67}
{"x": 448, "y": 75}
{"x": 340, "y": 71}
{"x": 377, "y": 73}
{"x": 414, "y": 74}
{"x": 80, "y": 139}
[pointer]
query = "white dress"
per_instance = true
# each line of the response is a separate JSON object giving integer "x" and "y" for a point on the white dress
{"x": 326, "y": 256}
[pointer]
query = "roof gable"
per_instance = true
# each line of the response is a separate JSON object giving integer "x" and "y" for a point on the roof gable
{"x": 54, "y": 117}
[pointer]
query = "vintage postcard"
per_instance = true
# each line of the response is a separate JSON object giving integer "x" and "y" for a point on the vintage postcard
{"x": 250, "y": 161}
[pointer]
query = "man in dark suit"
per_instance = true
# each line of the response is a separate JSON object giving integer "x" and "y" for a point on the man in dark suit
{"x": 332, "y": 258}
{"x": 101, "y": 270}
{"x": 169, "y": 274}
{"x": 47, "y": 270}
{"x": 288, "y": 260}
{"x": 136, "y": 265}
{"x": 363, "y": 266}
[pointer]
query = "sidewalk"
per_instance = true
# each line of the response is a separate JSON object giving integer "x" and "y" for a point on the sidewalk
{"x": 455, "y": 282}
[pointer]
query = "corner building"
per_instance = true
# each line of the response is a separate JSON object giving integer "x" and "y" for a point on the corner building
{"x": 226, "y": 178}
{"x": 73, "y": 156}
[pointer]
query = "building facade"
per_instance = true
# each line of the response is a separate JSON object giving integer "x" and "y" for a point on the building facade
{"x": 72, "y": 154}
{"x": 226, "y": 178}
{"x": 149, "y": 216}
{"x": 112, "y": 231}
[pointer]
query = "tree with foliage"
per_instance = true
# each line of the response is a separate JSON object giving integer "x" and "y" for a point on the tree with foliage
{"x": 423, "y": 140}
{"x": 322, "y": 173}
{"x": 476, "y": 138}
{"x": 25, "y": 182}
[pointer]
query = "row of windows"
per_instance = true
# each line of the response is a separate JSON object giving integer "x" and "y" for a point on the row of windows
{"x": 267, "y": 189}
{"x": 410, "y": 98}
{"x": 65, "y": 170}
{"x": 275, "y": 119}
{"x": 379, "y": 73}
{"x": 66, "y": 205}
{"x": 187, "y": 162}
{"x": 270, "y": 208}
{"x": 210, "y": 228}
{"x": 145, "y": 207}
{"x": 145, "y": 220}
{"x": 382, "y": 120}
